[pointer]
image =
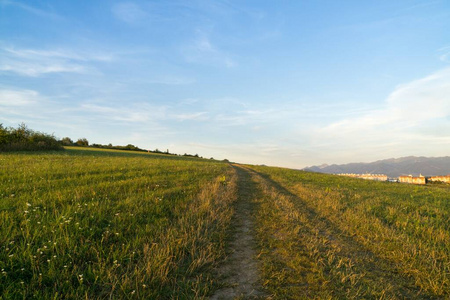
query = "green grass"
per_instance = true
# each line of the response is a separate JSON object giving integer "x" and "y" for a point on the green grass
{"x": 100, "y": 224}
{"x": 87, "y": 223}
{"x": 325, "y": 236}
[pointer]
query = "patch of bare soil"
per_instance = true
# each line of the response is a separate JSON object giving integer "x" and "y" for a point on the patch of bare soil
{"x": 240, "y": 270}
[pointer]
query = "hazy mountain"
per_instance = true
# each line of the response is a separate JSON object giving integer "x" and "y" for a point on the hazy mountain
{"x": 393, "y": 167}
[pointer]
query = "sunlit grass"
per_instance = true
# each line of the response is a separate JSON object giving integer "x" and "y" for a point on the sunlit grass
{"x": 100, "y": 224}
{"x": 88, "y": 223}
{"x": 332, "y": 237}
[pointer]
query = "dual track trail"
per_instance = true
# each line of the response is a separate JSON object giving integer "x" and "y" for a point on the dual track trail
{"x": 298, "y": 253}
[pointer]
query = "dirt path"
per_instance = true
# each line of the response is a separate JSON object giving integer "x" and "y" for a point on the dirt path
{"x": 240, "y": 269}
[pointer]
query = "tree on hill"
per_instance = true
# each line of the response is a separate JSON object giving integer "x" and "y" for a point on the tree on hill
{"x": 82, "y": 142}
{"x": 66, "y": 141}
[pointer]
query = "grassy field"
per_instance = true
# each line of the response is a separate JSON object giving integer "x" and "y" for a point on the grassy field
{"x": 331, "y": 237}
{"x": 100, "y": 224}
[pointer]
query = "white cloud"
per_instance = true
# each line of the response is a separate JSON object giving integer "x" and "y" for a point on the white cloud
{"x": 445, "y": 57}
{"x": 136, "y": 113}
{"x": 32, "y": 10}
{"x": 36, "y": 62}
{"x": 444, "y": 54}
{"x": 171, "y": 80}
{"x": 18, "y": 97}
{"x": 198, "y": 116}
{"x": 201, "y": 50}
{"x": 33, "y": 70}
{"x": 57, "y": 53}
{"x": 409, "y": 116}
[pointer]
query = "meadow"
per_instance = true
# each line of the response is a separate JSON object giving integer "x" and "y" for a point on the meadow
{"x": 108, "y": 224}
{"x": 331, "y": 237}
{"x": 93, "y": 224}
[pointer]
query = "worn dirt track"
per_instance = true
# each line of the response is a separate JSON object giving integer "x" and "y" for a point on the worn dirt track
{"x": 240, "y": 270}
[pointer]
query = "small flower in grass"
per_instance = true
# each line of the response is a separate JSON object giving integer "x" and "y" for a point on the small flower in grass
{"x": 28, "y": 204}
{"x": 11, "y": 255}
{"x": 134, "y": 291}
{"x": 144, "y": 286}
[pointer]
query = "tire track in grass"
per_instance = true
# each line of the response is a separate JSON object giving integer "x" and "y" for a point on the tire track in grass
{"x": 335, "y": 265}
{"x": 239, "y": 272}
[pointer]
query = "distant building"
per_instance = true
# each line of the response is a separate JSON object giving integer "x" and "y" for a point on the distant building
{"x": 411, "y": 179}
{"x": 378, "y": 177}
{"x": 445, "y": 179}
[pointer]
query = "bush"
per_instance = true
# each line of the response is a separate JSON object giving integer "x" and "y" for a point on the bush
{"x": 66, "y": 141}
{"x": 24, "y": 139}
{"x": 82, "y": 142}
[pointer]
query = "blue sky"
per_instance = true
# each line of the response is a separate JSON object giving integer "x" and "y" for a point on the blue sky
{"x": 284, "y": 83}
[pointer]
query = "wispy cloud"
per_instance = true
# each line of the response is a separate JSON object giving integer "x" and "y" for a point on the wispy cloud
{"x": 57, "y": 53}
{"x": 410, "y": 115}
{"x": 36, "y": 62}
{"x": 444, "y": 54}
{"x": 198, "y": 116}
{"x": 135, "y": 113}
{"x": 170, "y": 80}
{"x": 15, "y": 98}
{"x": 33, "y": 10}
{"x": 24, "y": 105}
{"x": 128, "y": 12}
{"x": 201, "y": 50}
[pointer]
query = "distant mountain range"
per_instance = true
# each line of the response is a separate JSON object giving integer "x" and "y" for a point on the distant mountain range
{"x": 394, "y": 167}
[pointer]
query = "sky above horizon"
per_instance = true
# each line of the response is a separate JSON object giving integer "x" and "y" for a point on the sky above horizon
{"x": 281, "y": 83}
